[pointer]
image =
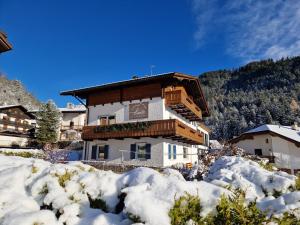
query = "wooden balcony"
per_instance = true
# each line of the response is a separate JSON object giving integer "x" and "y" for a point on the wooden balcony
{"x": 17, "y": 124}
{"x": 180, "y": 102}
{"x": 68, "y": 127}
{"x": 172, "y": 129}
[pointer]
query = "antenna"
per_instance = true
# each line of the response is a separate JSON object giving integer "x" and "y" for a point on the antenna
{"x": 151, "y": 69}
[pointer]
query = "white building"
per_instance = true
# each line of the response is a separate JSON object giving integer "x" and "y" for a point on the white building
{"x": 72, "y": 121}
{"x": 280, "y": 143}
{"x": 154, "y": 120}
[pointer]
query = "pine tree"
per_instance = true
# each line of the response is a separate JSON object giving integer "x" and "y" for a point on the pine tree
{"x": 48, "y": 119}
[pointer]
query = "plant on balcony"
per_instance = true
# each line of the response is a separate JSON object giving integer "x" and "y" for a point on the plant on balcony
{"x": 123, "y": 127}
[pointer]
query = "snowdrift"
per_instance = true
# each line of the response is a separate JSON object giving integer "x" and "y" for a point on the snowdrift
{"x": 33, "y": 191}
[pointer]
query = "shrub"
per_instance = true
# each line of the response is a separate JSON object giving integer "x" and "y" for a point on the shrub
{"x": 23, "y": 154}
{"x": 98, "y": 203}
{"x": 287, "y": 219}
{"x": 62, "y": 179}
{"x": 234, "y": 211}
{"x": 297, "y": 182}
{"x": 185, "y": 209}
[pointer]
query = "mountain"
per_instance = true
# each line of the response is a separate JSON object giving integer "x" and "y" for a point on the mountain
{"x": 13, "y": 92}
{"x": 260, "y": 92}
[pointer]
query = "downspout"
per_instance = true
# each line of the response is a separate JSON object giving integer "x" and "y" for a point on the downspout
{"x": 85, "y": 149}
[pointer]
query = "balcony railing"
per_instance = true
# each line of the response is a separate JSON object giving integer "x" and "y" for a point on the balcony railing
{"x": 179, "y": 101}
{"x": 74, "y": 127}
{"x": 15, "y": 124}
{"x": 172, "y": 129}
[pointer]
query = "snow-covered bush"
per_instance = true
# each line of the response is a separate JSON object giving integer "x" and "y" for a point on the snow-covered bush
{"x": 40, "y": 192}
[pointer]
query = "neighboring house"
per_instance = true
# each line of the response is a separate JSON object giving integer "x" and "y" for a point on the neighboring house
{"x": 72, "y": 121}
{"x": 154, "y": 120}
{"x": 279, "y": 143}
{"x": 16, "y": 126}
{"x": 4, "y": 44}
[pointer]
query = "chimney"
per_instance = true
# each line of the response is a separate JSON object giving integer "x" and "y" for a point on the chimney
{"x": 70, "y": 105}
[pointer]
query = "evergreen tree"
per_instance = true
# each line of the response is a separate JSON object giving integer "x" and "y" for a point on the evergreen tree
{"x": 48, "y": 119}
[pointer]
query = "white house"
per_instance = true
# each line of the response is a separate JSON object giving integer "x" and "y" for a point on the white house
{"x": 72, "y": 121}
{"x": 153, "y": 120}
{"x": 280, "y": 143}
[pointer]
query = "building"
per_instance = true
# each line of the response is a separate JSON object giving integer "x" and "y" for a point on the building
{"x": 17, "y": 126}
{"x": 279, "y": 143}
{"x": 153, "y": 120}
{"x": 72, "y": 121}
{"x": 4, "y": 44}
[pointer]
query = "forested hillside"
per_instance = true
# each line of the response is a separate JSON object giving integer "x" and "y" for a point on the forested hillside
{"x": 261, "y": 92}
{"x": 13, "y": 92}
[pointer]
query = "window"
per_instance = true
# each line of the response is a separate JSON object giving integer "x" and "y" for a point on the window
{"x": 140, "y": 151}
{"x": 106, "y": 120}
{"x": 169, "y": 151}
{"x": 185, "y": 152}
{"x": 99, "y": 152}
{"x": 71, "y": 124}
{"x": 267, "y": 140}
{"x": 257, "y": 151}
{"x": 174, "y": 152}
{"x": 206, "y": 139}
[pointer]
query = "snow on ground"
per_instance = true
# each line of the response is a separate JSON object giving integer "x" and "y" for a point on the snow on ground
{"x": 249, "y": 176}
{"x": 33, "y": 151}
{"x": 33, "y": 191}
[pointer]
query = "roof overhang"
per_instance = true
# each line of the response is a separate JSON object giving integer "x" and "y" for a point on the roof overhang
{"x": 191, "y": 83}
{"x": 247, "y": 136}
{"x": 4, "y": 44}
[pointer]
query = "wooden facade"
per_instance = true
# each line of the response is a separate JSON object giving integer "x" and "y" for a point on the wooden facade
{"x": 178, "y": 100}
{"x": 171, "y": 128}
{"x": 4, "y": 44}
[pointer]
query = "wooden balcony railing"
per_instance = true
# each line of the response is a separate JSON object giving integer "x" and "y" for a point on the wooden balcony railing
{"x": 15, "y": 124}
{"x": 172, "y": 129}
{"x": 179, "y": 101}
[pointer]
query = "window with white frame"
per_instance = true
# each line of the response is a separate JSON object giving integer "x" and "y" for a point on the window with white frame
{"x": 106, "y": 120}
{"x": 172, "y": 151}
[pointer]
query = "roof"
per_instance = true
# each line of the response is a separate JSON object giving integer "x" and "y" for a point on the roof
{"x": 73, "y": 110}
{"x": 191, "y": 80}
{"x": 286, "y": 132}
{"x": 29, "y": 113}
{"x": 4, "y": 44}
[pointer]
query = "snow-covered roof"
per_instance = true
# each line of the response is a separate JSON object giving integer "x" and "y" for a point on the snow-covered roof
{"x": 284, "y": 131}
{"x": 76, "y": 109}
{"x": 9, "y": 106}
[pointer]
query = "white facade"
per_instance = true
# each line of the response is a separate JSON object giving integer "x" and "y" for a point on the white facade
{"x": 285, "y": 150}
{"x": 72, "y": 121}
{"x": 119, "y": 150}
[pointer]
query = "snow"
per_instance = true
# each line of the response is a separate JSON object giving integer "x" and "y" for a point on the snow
{"x": 33, "y": 191}
{"x": 34, "y": 151}
{"x": 247, "y": 175}
{"x": 286, "y": 131}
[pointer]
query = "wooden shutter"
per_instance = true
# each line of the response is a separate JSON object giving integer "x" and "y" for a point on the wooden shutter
{"x": 148, "y": 151}
{"x": 132, "y": 151}
{"x": 170, "y": 152}
{"x": 174, "y": 152}
{"x": 106, "y": 147}
{"x": 94, "y": 152}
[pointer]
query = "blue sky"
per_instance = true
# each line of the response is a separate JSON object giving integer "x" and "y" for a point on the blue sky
{"x": 64, "y": 44}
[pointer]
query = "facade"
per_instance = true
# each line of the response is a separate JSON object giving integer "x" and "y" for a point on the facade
{"x": 72, "y": 121}
{"x": 4, "y": 44}
{"x": 16, "y": 126}
{"x": 281, "y": 144}
{"x": 153, "y": 121}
